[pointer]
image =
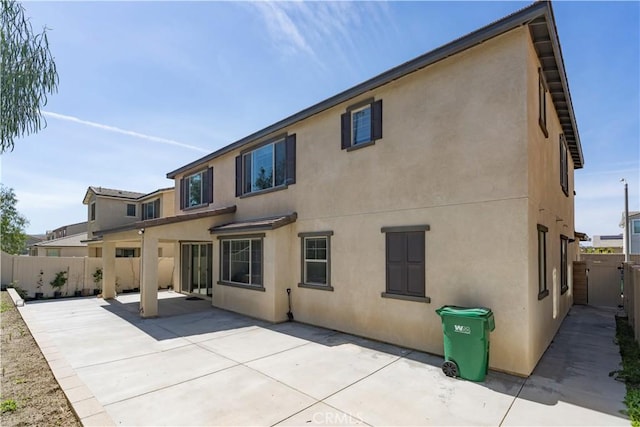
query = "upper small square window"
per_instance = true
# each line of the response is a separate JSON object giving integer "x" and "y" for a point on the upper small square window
{"x": 131, "y": 209}
{"x": 362, "y": 124}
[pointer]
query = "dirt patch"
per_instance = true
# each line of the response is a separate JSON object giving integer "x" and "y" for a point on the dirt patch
{"x": 30, "y": 394}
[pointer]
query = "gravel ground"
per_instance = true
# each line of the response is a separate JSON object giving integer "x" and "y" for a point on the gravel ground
{"x": 26, "y": 378}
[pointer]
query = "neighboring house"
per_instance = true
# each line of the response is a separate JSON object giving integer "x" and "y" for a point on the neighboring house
{"x": 32, "y": 239}
{"x": 446, "y": 180}
{"x": 613, "y": 242}
{"x": 109, "y": 209}
{"x": 69, "y": 246}
{"x": 67, "y": 230}
{"x": 634, "y": 231}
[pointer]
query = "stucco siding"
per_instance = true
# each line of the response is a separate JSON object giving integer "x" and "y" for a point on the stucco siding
{"x": 551, "y": 207}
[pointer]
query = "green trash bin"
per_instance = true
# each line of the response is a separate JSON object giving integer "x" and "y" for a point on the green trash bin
{"x": 466, "y": 341}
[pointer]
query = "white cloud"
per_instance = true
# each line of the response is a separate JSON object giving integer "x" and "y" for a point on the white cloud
{"x": 282, "y": 28}
{"x": 123, "y": 131}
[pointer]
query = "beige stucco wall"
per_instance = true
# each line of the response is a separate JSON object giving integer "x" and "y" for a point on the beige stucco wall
{"x": 110, "y": 213}
{"x": 25, "y": 272}
{"x": 548, "y": 206}
{"x": 462, "y": 152}
{"x": 67, "y": 251}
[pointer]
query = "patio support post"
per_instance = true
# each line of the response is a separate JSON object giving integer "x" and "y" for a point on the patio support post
{"x": 149, "y": 291}
{"x": 108, "y": 270}
{"x": 177, "y": 263}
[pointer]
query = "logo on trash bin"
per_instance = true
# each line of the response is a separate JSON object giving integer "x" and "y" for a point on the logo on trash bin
{"x": 462, "y": 329}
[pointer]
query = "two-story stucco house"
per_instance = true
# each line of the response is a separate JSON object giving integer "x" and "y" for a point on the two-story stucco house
{"x": 445, "y": 180}
{"x": 109, "y": 209}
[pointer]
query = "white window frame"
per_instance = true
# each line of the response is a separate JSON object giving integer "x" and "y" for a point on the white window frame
{"x": 153, "y": 208}
{"x": 324, "y": 261}
{"x": 250, "y": 155}
{"x": 353, "y": 125}
{"x": 202, "y": 174}
{"x": 250, "y": 261}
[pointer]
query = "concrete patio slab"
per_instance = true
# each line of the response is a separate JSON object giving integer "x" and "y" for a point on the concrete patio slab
{"x": 413, "y": 391}
{"x": 319, "y": 370}
{"x": 126, "y": 378}
{"x": 252, "y": 344}
{"x": 213, "y": 367}
{"x": 322, "y": 414}
{"x": 238, "y": 396}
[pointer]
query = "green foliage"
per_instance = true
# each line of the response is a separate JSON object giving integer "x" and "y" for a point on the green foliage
{"x": 12, "y": 223}
{"x": 8, "y": 405}
{"x": 4, "y": 306}
{"x": 97, "y": 276}
{"x": 632, "y": 400}
{"x": 28, "y": 74}
{"x": 23, "y": 294}
{"x": 59, "y": 281}
{"x": 630, "y": 372}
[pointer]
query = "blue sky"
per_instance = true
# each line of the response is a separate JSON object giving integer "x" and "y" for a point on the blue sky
{"x": 147, "y": 87}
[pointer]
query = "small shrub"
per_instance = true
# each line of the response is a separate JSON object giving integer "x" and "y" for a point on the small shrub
{"x": 59, "y": 281}
{"x": 630, "y": 372}
{"x": 8, "y": 405}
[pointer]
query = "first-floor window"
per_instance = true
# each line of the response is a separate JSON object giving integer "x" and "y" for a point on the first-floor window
{"x": 542, "y": 261}
{"x": 405, "y": 259}
{"x": 315, "y": 258}
{"x": 242, "y": 261}
{"x": 564, "y": 282}
{"x": 127, "y": 252}
{"x": 53, "y": 252}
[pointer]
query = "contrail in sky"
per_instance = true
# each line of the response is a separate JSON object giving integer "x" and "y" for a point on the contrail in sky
{"x": 123, "y": 131}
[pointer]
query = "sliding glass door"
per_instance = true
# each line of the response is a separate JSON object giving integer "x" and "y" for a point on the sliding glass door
{"x": 196, "y": 264}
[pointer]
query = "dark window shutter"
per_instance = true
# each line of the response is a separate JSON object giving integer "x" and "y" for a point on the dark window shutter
{"x": 183, "y": 193}
{"x": 346, "y": 130}
{"x": 144, "y": 211}
{"x": 238, "y": 176}
{"x": 396, "y": 261}
{"x": 156, "y": 209}
{"x": 291, "y": 159}
{"x": 415, "y": 264}
{"x": 376, "y": 120}
{"x": 209, "y": 186}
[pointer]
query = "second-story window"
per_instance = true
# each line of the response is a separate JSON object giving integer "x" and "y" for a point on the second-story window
{"x": 196, "y": 189}
{"x": 92, "y": 211}
{"x": 270, "y": 165}
{"x": 131, "y": 209}
{"x": 361, "y": 124}
{"x": 564, "y": 166}
{"x": 151, "y": 210}
{"x": 542, "y": 103}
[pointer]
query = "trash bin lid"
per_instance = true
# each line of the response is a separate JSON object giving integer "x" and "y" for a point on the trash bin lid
{"x": 453, "y": 310}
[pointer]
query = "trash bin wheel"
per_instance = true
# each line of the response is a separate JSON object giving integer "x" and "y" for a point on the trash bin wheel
{"x": 450, "y": 368}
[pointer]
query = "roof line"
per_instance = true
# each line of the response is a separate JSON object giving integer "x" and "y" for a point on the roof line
{"x": 167, "y": 220}
{"x": 518, "y": 18}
